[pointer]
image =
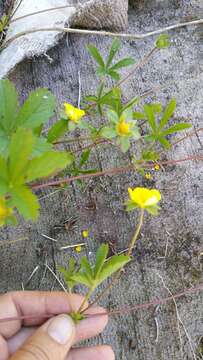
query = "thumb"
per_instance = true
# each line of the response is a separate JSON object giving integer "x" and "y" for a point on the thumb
{"x": 51, "y": 341}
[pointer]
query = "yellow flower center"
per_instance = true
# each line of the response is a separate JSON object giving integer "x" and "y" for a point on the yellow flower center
{"x": 144, "y": 197}
{"x": 148, "y": 176}
{"x": 85, "y": 233}
{"x": 123, "y": 128}
{"x": 74, "y": 114}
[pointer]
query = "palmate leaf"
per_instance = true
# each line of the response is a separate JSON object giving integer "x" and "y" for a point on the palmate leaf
{"x": 114, "y": 49}
{"x": 96, "y": 55}
{"x": 37, "y": 109}
{"x": 168, "y": 112}
{"x": 111, "y": 266}
{"x": 101, "y": 256}
{"x": 25, "y": 201}
{"x": 163, "y": 41}
{"x": 20, "y": 149}
{"x": 150, "y": 116}
{"x": 85, "y": 157}
{"x": 57, "y": 130}
{"x": 47, "y": 164}
{"x": 4, "y": 187}
{"x": 8, "y": 106}
{"x": 175, "y": 128}
{"x": 123, "y": 63}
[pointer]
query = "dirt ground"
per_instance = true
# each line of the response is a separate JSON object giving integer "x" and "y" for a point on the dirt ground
{"x": 170, "y": 244}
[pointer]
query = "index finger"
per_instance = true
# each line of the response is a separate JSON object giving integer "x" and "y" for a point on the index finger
{"x": 36, "y": 304}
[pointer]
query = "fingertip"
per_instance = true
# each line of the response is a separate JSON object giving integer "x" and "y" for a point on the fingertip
{"x": 93, "y": 325}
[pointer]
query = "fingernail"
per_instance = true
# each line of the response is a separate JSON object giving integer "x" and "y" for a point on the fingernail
{"x": 61, "y": 329}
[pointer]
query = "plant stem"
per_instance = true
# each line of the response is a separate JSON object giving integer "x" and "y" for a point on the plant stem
{"x": 87, "y": 296}
{"x": 118, "y": 273}
{"x": 102, "y": 33}
{"x": 135, "y": 236}
{"x": 112, "y": 171}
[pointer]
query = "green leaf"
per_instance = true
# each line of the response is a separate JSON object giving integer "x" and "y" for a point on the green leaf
{"x": 101, "y": 256}
{"x": 20, "y": 149}
{"x": 175, "y": 128}
{"x": 41, "y": 146}
{"x": 57, "y": 130}
{"x": 132, "y": 102}
{"x": 150, "y": 155}
{"x": 108, "y": 132}
{"x": 37, "y": 109}
{"x": 3, "y": 168}
{"x": 163, "y": 41}
{"x": 125, "y": 144}
{"x": 26, "y": 202}
{"x": 47, "y": 164}
{"x": 139, "y": 115}
{"x": 85, "y": 157}
{"x": 81, "y": 278}
{"x": 114, "y": 75}
{"x": 96, "y": 55}
{"x": 169, "y": 110}
{"x": 112, "y": 265}
{"x": 123, "y": 63}
{"x": 3, "y": 187}
{"x": 4, "y": 142}
{"x": 150, "y": 116}
{"x": 8, "y": 105}
{"x": 114, "y": 49}
{"x": 153, "y": 210}
{"x": 112, "y": 116}
{"x": 86, "y": 268}
{"x": 164, "y": 142}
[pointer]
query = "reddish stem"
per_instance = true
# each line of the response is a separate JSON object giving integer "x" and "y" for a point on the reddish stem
{"x": 111, "y": 171}
{"x": 124, "y": 310}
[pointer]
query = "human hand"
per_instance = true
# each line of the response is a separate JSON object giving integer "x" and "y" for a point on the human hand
{"x": 37, "y": 338}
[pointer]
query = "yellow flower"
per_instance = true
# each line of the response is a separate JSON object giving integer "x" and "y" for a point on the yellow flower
{"x": 148, "y": 176}
{"x": 78, "y": 249}
{"x": 85, "y": 233}
{"x": 4, "y": 211}
{"x": 143, "y": 197}
{"x": 73, "y": 113}
{"x": 157, "y": 167}
{"x": 123, "y": 128}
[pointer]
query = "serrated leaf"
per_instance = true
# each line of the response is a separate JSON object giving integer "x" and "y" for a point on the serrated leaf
{"x": 108, "y": 132}
{"x": 112, "y": 265}
{"x": 3, "y": 186}
{"x": 101, "y": 256}
{"x": 163, "y": 41}
{"x": 57, "y": 130}
{"x": 20, "y": 149}
{"x": 123, "y": 63}
{"x": 37, "y": 109}
{"x": 139, "y": 115}
{"x": 82, "y": 279}
{"x": 175, "y": 128}
{"x": 96, "y": 55}
{"x": 150, "y": 116}
{"x": 112, "y": 116}
{"x": 47, "y": 164}
{"x": 8, "y": 105}
{"x": 41, "y": 146}
{"x": 114, "y": 49}
{"x": 114, "y": 75}
{"x": 86, "y": 268}
{"x": 164, "y": 142}
{"x": 168, "y": 112}
{"x": 150, "y": 156}
{"x": 3, "y": 168}
{"x": 25, "y": 201}
{"x": 125, "y": 144}
{"x": 85, "y": 157}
